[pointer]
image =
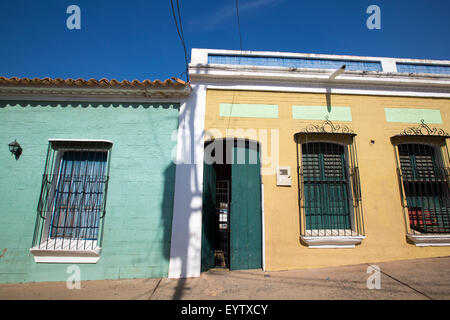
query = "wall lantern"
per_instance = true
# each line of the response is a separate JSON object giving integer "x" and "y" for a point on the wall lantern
{"x": 15, "y": 149}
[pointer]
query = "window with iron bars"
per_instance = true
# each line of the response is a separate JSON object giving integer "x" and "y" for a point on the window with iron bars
{"x": 329, "y": 187}
{"x": 71, "y": 208}
{"x": 424, "y": 187}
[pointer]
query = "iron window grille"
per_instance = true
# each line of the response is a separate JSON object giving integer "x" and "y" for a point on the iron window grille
{"x": 423, "y": 175}
{"x": 329, "y": 189}
{"x": 72, "y": 202}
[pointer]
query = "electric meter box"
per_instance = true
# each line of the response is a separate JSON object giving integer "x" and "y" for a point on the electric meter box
{"x": 284, "y": 176}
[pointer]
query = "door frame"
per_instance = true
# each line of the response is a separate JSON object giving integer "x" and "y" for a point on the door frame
{"x": 230, "y": 142}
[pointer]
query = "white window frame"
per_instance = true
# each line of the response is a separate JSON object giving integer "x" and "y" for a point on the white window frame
{"x": 59, "y": 250}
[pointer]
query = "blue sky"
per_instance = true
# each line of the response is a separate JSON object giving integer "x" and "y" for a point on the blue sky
{"x": 137, "y": 39}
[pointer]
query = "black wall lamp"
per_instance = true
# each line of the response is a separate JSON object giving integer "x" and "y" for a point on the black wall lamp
{"x": 15, "y": 149}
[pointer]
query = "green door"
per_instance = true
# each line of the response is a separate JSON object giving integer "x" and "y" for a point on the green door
{"x": 208, "y": 216}
{"x": 245, "y": 213}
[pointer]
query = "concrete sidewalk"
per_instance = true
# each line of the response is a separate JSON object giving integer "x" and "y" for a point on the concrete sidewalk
{"x": 408, "y": 279}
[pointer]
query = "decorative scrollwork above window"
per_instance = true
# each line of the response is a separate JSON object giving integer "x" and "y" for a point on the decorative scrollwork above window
{"x": 327, "y": 127}
{"x": 424, "y": 130}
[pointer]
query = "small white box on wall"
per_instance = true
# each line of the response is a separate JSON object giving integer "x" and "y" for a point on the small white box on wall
{"x": 284, "y": 176}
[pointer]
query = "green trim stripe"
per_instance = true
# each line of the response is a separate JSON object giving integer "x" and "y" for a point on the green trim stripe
{"x": 319, "y": 113}
{"x": 249, "y": 110}
{"x": 412, "y": 115}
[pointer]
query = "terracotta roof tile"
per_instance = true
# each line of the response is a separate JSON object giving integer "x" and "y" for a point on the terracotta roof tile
{"x": 171, "y": 83}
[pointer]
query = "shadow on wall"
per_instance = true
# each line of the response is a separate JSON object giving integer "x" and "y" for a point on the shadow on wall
{"x": 188, "y": 204}
{"x": 185, "y": 244}
{"x": 167, "y": 207}
{"x": 166, "y": 222}
{"x": 188, "y": 201}
{"x": 159, "y": 248}
{"x": 328, "y": 98}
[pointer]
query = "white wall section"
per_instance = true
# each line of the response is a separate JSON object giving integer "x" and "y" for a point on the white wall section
{"x": 185, "y": 250}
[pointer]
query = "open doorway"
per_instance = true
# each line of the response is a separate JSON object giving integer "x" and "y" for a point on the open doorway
{"x": 231, "y": 231}
{"x": 222, "y": 223}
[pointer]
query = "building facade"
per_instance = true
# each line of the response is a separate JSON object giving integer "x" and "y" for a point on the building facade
{"x": 90, "y": 178}
{"x": 265, "y": 160}
{"x": 352, "y": 159}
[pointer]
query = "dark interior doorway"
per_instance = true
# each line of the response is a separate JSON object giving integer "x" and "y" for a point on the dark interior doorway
{"x": 222, "y": 213}
{"x": 222, "y": 224}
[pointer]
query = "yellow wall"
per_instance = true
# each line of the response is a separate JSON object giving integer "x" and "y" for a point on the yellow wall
{"x": 383, "y": 216}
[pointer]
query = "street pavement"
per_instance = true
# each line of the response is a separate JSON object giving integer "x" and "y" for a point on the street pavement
{"x": 419, "y": 279}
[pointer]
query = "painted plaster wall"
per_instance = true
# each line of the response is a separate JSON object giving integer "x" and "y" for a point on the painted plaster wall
{"x": 383, "y": 215}
{"x": 139, "y": 208}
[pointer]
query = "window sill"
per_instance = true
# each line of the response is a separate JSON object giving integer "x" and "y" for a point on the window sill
{"x": 429, "y": 240}
{"x": 332, "y": 242}
{"x": 52, "y": 251}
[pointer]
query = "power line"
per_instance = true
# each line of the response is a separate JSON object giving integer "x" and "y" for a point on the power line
{"x": 239, "y": 24}
{"x": 179, "y": 26}
{"x": 240, "y": 56}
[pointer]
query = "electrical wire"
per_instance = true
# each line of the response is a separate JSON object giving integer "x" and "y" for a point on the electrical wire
{"x": 239, "y": 24}
{"x": 240, "y": 46}
{"x": 178, "y": 24}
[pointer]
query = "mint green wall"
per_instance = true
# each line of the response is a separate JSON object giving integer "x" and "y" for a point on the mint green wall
{"x": 245, "y": 110}
{"x": 138, "y": 221}
{"x": 413, "y": 115}
{"x": 320, "y": 112}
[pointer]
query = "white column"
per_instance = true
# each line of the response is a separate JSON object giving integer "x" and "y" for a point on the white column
{"x": 185, "y": 248}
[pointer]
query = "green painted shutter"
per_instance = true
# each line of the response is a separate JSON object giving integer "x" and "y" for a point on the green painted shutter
{"x": 208, "y": 217}
{"x": 325, "y": 186}
{"x": 419, "y": 174}
{"x": 245, "y": 213}
{"x": 426, "y": 188}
